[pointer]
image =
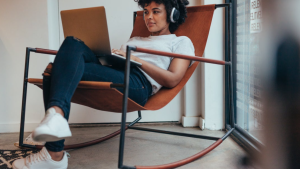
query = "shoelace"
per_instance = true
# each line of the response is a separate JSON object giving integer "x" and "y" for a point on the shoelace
{"x": 40, "y": 156}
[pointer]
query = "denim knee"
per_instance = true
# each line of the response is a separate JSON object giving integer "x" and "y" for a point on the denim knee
{"x": 73, "y": 39}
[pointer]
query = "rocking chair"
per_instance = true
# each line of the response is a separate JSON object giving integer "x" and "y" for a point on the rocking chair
{"x": 105, "y": 96}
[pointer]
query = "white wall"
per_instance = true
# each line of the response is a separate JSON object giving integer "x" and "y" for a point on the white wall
{"x": 192, "y": 93}
{"x": 23, "y": 24}
{"x": 53, "y": 26}
{"x": 213, "y": 110}
{"x": 206, "y": 107}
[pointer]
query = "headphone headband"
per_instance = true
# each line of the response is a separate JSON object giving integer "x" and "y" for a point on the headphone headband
{"x": 176, "y": 4}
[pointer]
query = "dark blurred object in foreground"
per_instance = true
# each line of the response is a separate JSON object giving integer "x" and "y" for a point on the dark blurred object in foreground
{"x": 282, "y": 109}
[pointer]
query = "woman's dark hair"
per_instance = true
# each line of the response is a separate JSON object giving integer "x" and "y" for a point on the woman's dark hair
{"x": 169, "y": 4}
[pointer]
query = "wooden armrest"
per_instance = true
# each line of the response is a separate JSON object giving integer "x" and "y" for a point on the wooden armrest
{"x": 82, "y": 84}
{"x": 45, "y": 51}
{"x": 175, "y": 55}
{"x": 94, "y": 85}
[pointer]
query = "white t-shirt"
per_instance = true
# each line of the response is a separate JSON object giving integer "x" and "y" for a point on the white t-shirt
{"x": 166, "y": 43}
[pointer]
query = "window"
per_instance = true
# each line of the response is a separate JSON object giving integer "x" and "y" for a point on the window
{"x": 247, "y": 28}
{"x": 248, "y": 94}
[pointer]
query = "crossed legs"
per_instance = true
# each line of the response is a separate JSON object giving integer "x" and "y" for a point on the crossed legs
{"x": 75, "y": 62}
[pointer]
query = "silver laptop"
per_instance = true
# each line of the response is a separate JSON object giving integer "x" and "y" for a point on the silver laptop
{"x": 90, "y": 26}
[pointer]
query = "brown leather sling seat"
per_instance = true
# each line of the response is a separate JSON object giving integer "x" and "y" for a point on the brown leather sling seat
{"x": 101, "y": 96}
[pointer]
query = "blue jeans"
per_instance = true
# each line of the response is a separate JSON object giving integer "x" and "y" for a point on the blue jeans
{"x": 75, "y": 62}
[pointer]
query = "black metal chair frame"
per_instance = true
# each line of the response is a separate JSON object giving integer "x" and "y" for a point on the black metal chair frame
{"x": 229, "y": 99}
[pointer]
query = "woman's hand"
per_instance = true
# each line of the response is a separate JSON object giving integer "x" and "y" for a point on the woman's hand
{"x": 121, "y": 53}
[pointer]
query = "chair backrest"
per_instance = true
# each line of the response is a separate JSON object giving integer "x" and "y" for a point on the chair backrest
{"x": 196, "y": 27}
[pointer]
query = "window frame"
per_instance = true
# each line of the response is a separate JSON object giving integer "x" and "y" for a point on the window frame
{"x": 241, "y": 136}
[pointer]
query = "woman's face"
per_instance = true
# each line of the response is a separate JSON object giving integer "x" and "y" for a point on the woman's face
{"x": 156, "y": 18}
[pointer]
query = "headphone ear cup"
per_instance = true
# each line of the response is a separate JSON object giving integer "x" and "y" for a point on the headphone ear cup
{"x": 175, "y": 14}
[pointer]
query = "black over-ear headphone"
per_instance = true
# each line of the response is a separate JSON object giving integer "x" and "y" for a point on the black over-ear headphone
{"x": 175, "y": 14}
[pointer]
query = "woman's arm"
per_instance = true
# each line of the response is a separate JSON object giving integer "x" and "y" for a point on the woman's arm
{"x": 167, "y": 78}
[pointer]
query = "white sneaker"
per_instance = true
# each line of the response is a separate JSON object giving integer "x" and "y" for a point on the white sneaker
{"x": 41, "y": 160}
{"x": 53, "y": 127}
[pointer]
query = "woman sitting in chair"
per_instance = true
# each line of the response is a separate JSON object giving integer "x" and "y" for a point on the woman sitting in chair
{"x": 75, "y": 62}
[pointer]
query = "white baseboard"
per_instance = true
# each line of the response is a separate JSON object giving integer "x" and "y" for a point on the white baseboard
{"x": 201, "y": 123}
{"x": 15, "y": 127}
{"x": 190, "y": 121}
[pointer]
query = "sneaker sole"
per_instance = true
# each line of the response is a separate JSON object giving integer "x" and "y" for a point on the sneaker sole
{"x": 47, "y": 137}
